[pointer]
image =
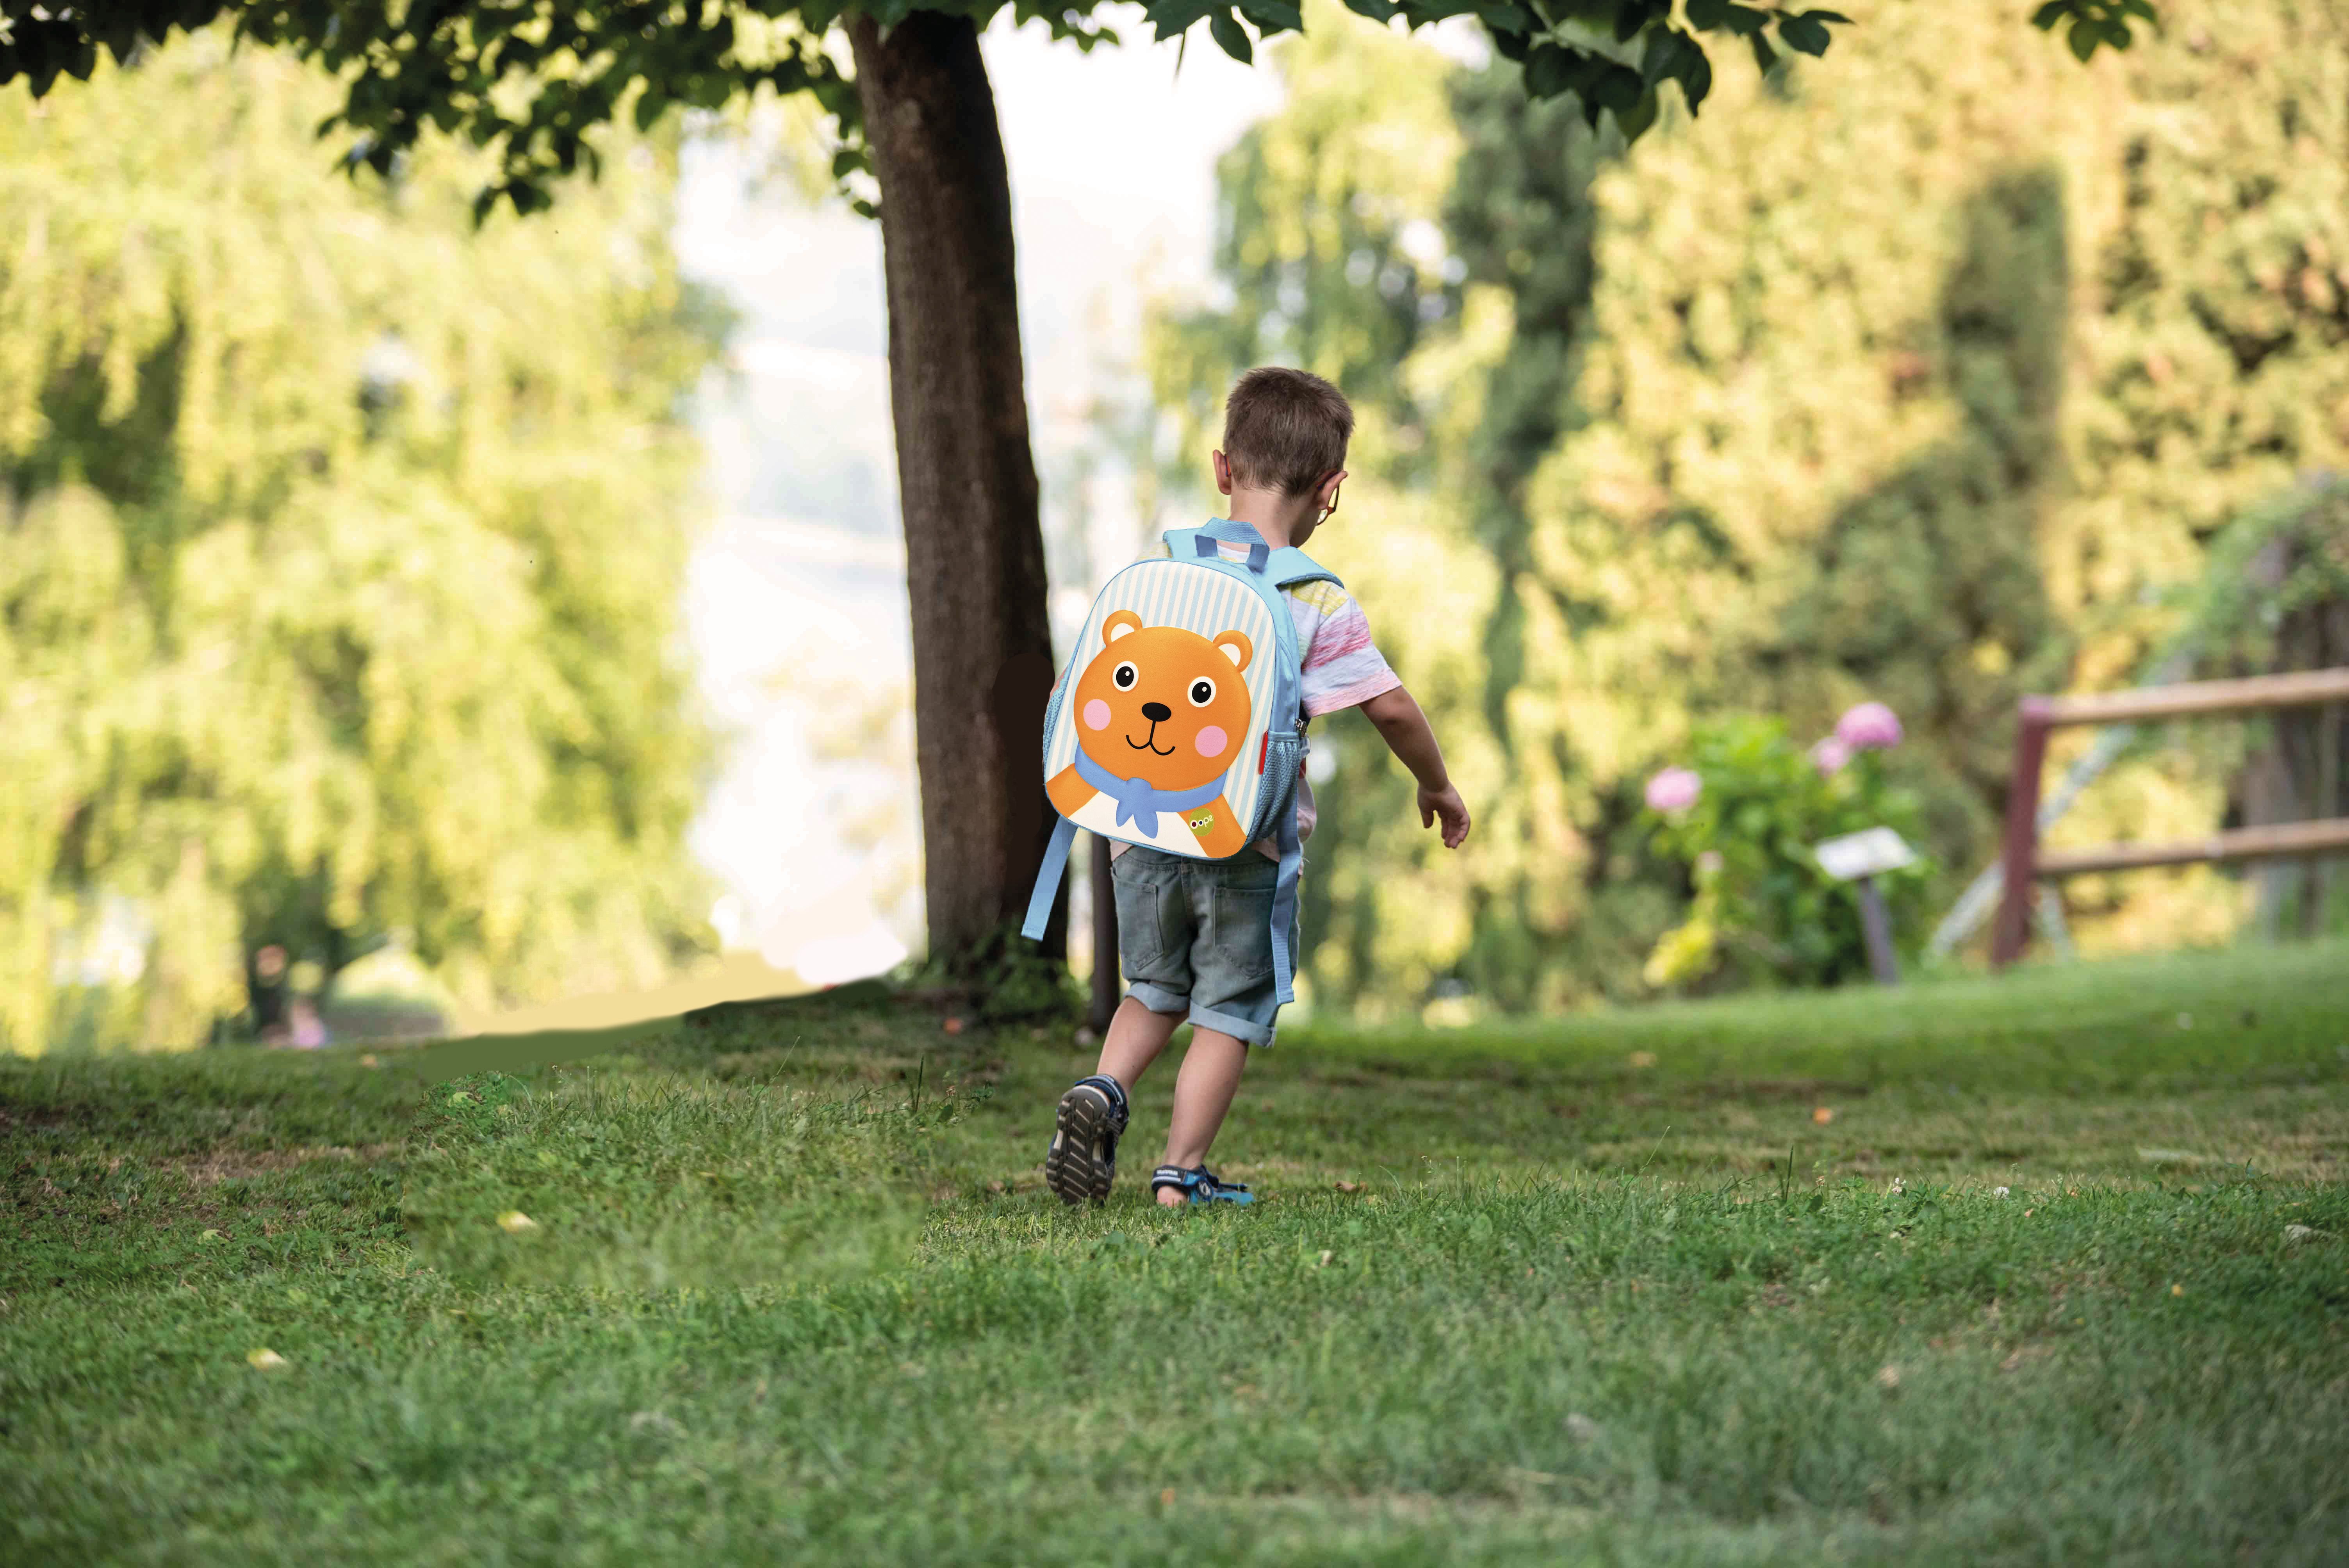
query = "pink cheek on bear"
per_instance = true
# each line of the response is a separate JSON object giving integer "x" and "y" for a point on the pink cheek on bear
{"x": 1097, "y": 714}
{"x": 1212, "y": 741}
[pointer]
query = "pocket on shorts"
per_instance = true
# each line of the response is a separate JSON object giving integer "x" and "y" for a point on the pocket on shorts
{"x": 1239, "y": 929}
{"x": 1141, "y": 934}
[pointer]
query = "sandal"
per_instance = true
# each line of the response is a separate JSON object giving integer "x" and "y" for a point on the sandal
{"x": 1198, "y": 1185}
{"x": 1083, "y": 1160}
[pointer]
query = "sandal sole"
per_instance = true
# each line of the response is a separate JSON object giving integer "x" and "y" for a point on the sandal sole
{"x": 1074, "y": 1167}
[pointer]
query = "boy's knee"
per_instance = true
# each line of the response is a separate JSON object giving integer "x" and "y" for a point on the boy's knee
{"x": 1158, "y": 998}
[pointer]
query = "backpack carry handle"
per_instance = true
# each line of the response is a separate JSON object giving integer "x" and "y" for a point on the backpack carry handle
{"x": 1258, "y": 552}
{"x": 1286, "y": 566}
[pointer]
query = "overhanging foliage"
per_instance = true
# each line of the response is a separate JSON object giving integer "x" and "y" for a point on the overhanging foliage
{"x": 535, "y": 79}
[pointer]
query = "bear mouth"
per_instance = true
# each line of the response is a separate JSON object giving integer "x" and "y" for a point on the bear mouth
{"x": 1149, "y": 745}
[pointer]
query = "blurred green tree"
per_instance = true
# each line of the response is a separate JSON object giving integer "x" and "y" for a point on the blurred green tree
{"x": 536, "y": 81}
{"x": 1862, "y": 391}
{"x": 343, "y": 550}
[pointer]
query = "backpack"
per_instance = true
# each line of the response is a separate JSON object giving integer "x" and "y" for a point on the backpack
{"x": 1198, "y": 657}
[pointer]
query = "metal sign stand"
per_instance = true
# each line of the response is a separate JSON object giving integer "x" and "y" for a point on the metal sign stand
{"x": 1876, "y": 924}
{"x": 1857, "y": 858}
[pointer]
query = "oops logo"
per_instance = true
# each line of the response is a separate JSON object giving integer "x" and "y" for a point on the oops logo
{"x": 1159, "y": 712}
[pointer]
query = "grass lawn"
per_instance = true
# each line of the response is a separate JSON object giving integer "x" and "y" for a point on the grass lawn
{"x": 1713, "y": 1283}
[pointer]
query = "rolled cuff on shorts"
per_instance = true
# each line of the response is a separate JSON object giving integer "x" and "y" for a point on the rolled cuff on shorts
{"x": 1158, "y": 999}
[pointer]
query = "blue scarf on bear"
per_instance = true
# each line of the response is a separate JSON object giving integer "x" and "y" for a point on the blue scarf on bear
{"x": 1138, "y": 800}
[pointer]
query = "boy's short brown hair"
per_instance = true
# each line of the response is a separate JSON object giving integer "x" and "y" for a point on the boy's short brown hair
{"x": 1285, "y": 431}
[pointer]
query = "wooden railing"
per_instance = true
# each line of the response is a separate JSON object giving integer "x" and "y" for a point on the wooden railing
{"x": 2023, "y": 862}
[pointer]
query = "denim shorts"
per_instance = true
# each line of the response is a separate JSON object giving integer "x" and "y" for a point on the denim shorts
{"x": 1196, "y": 938}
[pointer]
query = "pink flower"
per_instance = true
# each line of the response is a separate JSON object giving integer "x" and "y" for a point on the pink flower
{"x": 1673, "y": 789}
{"x": 1870, "y": 727}
{"x": 1829, "y": 757}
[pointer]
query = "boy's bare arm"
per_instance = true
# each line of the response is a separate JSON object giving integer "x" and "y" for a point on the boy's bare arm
{"x": 1405, "y": 731}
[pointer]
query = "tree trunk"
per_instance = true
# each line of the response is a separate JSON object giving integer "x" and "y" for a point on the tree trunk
{"x": 967, "y": 482}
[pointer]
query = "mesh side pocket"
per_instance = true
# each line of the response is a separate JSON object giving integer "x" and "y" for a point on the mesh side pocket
{"x": 1284, "y": 749}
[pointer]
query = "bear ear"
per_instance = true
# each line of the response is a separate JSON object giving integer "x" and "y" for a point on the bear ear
{"x": 1119, "y": 624}
{"x": 1235, "y": 647}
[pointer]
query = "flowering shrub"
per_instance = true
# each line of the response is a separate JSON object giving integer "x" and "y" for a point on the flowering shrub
{"x": 1674, "y": 789}
{"x": 1870, "y": 727}
{"x": 1743, "y": 816}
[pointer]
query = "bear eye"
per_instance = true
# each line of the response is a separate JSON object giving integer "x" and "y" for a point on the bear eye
{"x": 1203, "y": 692}
{"x": 1125, "y": 675}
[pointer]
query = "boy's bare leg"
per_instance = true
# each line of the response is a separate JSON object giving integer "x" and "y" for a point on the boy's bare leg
{"x": 1202, "y": 1094}
{"x": 1136, "y": 1035}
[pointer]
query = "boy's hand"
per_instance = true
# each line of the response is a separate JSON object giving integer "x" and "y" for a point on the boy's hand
{"x": 1445, "y": 805}
{"x": 1404, "y": 728}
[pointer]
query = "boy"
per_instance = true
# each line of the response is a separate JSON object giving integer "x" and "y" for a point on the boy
{"x": 1196, "y": 935}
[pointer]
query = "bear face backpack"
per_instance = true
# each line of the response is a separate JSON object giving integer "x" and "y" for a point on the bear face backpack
{"x": 1177, "y": 723}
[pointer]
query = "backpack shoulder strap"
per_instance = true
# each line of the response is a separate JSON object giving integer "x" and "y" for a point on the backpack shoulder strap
{"x": 1288, "y": 566}
{"x": 1048, "y": 880}
{"x": 1284, "y": 906}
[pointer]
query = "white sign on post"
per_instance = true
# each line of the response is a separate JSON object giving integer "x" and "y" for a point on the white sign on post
{"x": 1857, "y": 858}
{"x": 1863, "y": 855}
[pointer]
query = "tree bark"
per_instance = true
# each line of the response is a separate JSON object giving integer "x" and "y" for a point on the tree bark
{"x": 967, "y": 481}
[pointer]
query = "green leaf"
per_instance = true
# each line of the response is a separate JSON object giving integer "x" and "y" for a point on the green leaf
{"x": 1502, "y": 16}
{"x": 1619, "y": 87}
{"x": 1225, "y": 29}
{"x": 1634, "y": 121}
{"x": 1272, "y": 16}
{"x": 1376, "y": 10}
{"x": 1660, "y": 58}
{"x": 1745, "y": 21}
{"x": 1172, "y": 18}
{"x": 1696, "y": 82}
{"x": 2047, "y": 15}
{"x": 2083, "y": 39}
{"x": 1551, "y": 69}
{"x": 1764, "y": 57}
{"x": 1705, "y": 16}
{"x": 1804, "y": 35}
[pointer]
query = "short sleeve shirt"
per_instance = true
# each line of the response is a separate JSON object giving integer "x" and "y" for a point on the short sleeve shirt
{"x": 1340, "y": 667}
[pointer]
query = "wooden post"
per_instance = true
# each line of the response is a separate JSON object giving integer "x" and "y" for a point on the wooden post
{"x": 2276, "y": 840}
{"x": 1106, "y": 967}
{"x": 2331, "y": 723}
{"x": 1876, "y": 924}
{"x": 2021, "y": 848}
{"x": 2020, "y": 864}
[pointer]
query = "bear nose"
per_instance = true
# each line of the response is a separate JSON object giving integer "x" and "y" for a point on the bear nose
{"x": 1156, "y": 712}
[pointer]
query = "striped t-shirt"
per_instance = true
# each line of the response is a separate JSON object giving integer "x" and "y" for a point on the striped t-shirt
{"x": 1340, "y": 667}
